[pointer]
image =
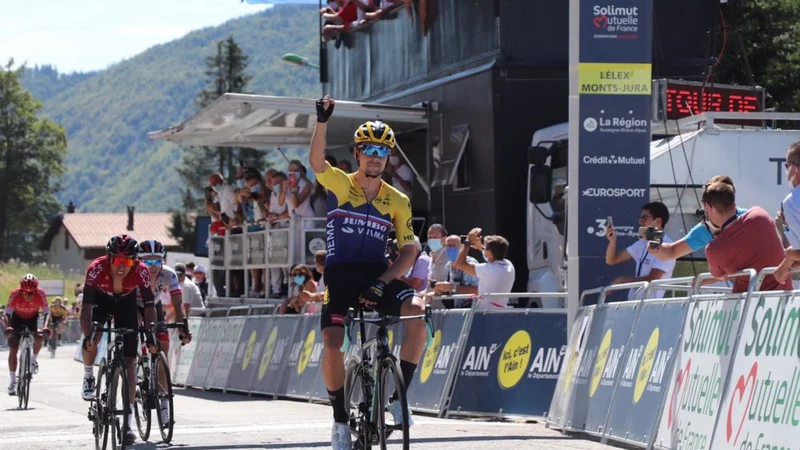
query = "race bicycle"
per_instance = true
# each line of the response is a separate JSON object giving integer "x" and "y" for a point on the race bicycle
{"x": 108, "y": 409}
{"x": 24, "y": 375}
{"x": 371, "y": 373}
{"x": 149, "y": 392}
{"x": 52, "y": 339}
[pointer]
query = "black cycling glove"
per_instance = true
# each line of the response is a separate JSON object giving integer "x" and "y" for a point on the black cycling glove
{"x": 374, "y": 292}
{"x": 322, "y": 114}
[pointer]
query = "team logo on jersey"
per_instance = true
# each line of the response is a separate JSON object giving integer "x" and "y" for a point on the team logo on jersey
{"x": 326, "y": 296}
{"x": 94, "y": 271}
{"x": 144, "y": 274}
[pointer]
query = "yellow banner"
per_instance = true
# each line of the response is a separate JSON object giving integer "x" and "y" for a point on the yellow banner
{"x": 615, "y": 79}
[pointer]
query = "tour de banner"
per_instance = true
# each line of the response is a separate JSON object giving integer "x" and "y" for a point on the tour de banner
{"x": 247, "y": 359}
{"x": 510, "y": 363}
{"x": 186, "y": 356}
{"x": 439, "y": 361}
{"x": 201, "y": 360}
{"x": 598, "y": 369}
{"x": 561, "y": 406}
{"x": 646, "y": 371}
{"x": 275, "y": 354}
{"x": 699, "y": 374}
{"x": 760, "y": 408}
{"x": 224, "y": 353}
{"x": 614, "y": 86}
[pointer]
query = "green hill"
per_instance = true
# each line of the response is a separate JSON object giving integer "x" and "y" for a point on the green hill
{"x": 108, "y": 114}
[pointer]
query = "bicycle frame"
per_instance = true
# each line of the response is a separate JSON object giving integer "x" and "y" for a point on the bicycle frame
{"x": 377, "y": 347}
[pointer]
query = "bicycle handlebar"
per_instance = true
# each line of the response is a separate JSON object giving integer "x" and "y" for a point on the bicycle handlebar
{"x": 384, "y": 320}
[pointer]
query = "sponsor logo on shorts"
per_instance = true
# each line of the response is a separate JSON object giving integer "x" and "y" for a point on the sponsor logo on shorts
{"x": 337, "y": 319}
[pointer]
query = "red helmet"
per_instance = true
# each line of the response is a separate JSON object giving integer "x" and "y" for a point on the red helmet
{"x": 122, "y": 245}
{"x": 29, "y": 282}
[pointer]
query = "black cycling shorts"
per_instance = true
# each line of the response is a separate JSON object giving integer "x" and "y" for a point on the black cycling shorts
{"x": 344, "y": 284}
{"x": 123, "y": 310}
{"x": 17, "y": 323}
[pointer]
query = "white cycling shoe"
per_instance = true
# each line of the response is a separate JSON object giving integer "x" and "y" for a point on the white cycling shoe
{"x": 397, "y": 413}
{"x": 12, "y": 388}
{"x": 87, "y": 391}
{"x": 340, "y": 437}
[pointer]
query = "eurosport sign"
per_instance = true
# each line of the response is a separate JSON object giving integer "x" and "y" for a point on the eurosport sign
{"x": 611, "y": 169}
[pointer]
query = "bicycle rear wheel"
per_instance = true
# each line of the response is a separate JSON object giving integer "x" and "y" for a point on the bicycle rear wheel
{"x": 391, "y": 379}
{"x": 53, "y": 343}
{"x": 118, "y": 398}
{"x": 356, "y": 406}
{"x": 164, "y": 392}
{"x": 100, "y": 428}
{"x": 144, "y": 398}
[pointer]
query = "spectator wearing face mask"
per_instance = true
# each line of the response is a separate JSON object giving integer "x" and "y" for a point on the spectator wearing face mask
{"x": 300, "y": 190}
{"x": 345, "y": 165}
{"x": 402, "y": 178}
{"x": 436, "y": 243}
{"x": 455, "y": 281}
{"x": 301, "y": 280}
{"x": 314, "y": 299}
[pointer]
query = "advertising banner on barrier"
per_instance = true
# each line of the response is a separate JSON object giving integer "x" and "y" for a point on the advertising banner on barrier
{"x": 646, "y": 370}
{"x": 597, "y": 374}
{"x": 510, "y": 363}
{"x": 561, "y": 405}
{"x": 699, "y": 374}
{"x": 224, "y": 353}
{"x": 439, "y": 362}
{"x": 275, "y": 355}
{"x": 760, "y": 408}
{"x": 101, "y": 350}
{"x": 306, "y": 355}
{"x": 252, "y": 340}
{"x": 201, "y": 362}
{"x": 186, "y": 355}
{"x": 174, "y": 354}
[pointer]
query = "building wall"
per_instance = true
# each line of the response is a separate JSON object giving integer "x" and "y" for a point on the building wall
{"x": 65, "y": 253}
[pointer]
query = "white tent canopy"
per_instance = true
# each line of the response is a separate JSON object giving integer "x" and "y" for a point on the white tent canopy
{"x": 244, "y": 120}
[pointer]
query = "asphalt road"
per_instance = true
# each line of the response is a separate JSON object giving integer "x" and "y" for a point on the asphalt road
{"x": 57, "y": 418}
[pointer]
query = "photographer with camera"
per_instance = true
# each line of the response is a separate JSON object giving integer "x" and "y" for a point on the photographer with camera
{"x": 225, "y": 207}
{"x": 653, "y": 219}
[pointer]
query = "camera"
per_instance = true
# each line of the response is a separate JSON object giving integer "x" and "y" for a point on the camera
{"x": 209, "y": 193}
{"x": 700, "y": 214}
{"x": 225, "y": 218}
{"x": 652, "y": 235}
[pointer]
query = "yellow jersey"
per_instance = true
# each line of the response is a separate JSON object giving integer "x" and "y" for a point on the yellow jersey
{"x": 357, "y": 231}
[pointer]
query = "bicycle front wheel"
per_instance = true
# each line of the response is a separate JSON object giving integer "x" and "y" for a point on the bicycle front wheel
{"x": 24, "y": 379}
{"x": 166, "y": 416}
{"x": 389, "y": 381}
{"x": 118, "y": 398}
{"x": 144, "y": 397}
{"x": 99, "y": 404}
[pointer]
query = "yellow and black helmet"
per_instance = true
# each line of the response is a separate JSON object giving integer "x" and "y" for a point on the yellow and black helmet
{"x": 374, "y": 132}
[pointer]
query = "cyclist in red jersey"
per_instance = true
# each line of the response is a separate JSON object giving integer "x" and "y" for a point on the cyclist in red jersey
{"x": 112, "y": 283}
{"x": 22, "y": 310}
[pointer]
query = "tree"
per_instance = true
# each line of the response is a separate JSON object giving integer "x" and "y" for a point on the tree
{"x": 760, "y": 38}
{"x": 226, "y": 72}
{"x": 32, "y": 151}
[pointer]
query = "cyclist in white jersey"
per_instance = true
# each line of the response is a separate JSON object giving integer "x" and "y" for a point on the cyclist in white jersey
{"x": 166, "y": 288}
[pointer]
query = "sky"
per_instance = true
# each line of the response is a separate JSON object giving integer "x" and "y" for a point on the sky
{"x": 87, "y": 35}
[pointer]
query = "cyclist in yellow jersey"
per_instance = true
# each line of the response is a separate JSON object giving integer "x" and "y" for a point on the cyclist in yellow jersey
{"x": 362, "y": 209}
{"x": 58, "y": 313}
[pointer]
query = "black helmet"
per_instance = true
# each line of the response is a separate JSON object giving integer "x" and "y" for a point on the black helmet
{"x": 151, "y": 248}
{"x": 122, "y": 245}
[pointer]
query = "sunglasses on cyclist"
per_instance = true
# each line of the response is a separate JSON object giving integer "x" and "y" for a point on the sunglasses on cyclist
{"x": 152, "y": 262}
{"x": 122, "y": 261}
{"x": 381, "y": 151}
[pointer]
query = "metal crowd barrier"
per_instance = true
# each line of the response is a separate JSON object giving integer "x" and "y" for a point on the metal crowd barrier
{"x": 684, "y": 372}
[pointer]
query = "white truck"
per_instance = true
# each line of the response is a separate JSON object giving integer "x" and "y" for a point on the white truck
{"x": 684, "y": 154}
